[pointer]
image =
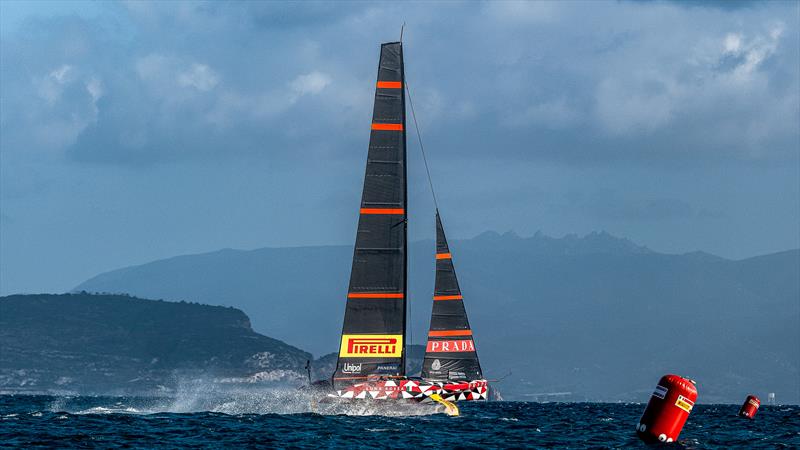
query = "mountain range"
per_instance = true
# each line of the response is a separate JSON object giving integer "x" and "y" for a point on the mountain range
{"x": 576, "y": 318}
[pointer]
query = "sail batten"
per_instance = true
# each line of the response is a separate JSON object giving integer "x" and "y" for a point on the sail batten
{"x": 373, "y": 333}
{"x": 450, "y": 353}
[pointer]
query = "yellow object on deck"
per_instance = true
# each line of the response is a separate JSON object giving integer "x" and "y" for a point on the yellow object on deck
{"x": 449, "y": 407}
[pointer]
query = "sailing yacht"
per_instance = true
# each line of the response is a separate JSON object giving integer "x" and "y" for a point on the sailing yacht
{"x": 372, "y": 351}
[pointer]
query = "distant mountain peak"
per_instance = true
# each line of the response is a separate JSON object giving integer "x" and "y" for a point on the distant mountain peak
{"x": 603, "y": 240}
{"x": 701, "y": 255}
{"x": 511, "y": 234}
{"x": 488, "y": 236}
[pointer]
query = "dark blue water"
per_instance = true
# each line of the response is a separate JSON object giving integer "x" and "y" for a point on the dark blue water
{"x": 245, "y": 420}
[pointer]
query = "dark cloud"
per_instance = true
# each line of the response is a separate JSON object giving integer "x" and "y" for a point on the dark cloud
{"x": 177, "y": 81}
{"x": 615, "y": 206}
{"x": 656, "y": 209}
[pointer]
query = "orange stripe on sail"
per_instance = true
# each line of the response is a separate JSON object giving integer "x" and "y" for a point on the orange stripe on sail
{"x": 443, "y": 256}
{"x": 383, "y": 211}
{"x": 389, "y": 84}
{"x": 447, "y": 297}
{"x": 375, "y": 295}
{"x": 388, "y": 126}
{"x": 450, "y": 333}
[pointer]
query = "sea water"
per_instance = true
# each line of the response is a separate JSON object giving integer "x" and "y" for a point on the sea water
{"x": 290, "y": 419}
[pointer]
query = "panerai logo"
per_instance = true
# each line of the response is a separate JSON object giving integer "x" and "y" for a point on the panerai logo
{"x": 351, "y": 368}
{"x": 436, "y": 365}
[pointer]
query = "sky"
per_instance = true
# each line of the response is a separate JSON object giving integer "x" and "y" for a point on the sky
{"x": 134, "y": 131}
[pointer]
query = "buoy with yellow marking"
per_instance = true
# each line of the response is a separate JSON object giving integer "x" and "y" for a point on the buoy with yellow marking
{"x": 449, "y": 407}
{"x": 668, "y": 409}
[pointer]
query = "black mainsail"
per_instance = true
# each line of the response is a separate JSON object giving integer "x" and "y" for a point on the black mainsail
{"x": 372, "y": 341}
{"x": 450, "y": 353}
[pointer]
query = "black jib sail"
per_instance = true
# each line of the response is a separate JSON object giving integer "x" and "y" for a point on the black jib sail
{"x": 372, "y": 341}
{"x": 450, "y": 353}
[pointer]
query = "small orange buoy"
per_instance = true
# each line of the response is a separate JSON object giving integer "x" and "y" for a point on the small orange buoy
{"x": 750, "y": 407}
{"x": 667, "y": 410}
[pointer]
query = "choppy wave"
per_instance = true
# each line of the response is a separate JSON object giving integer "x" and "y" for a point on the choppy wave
{"x": 203, "y": 415}
{"x": 200, "y": 396}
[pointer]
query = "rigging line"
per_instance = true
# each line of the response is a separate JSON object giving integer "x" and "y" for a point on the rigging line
{"x": 410, "y": 328}
{"x": 419, "y": 138}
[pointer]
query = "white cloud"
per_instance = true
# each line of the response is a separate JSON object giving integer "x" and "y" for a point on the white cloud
{"x": 61, "y": 74}
{"x": 732, "y": 43}
{"x": 310, "y": 83}
{"x": 68, "y": 104}
{"x": 95, "y": 88}
{"x": 199, "y": 76}
{"x": 231, "y": 106}
{"x": 691, "y": 86}
{"x": 642, "y": 102}
{"x": 616, "y": 75}
{"x": 752, "y": 52}
{"x": 171, "y": 76}
{"x": 51, "y": 86}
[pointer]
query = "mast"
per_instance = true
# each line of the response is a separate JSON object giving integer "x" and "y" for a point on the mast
{"x": 450, "y": 353}
{"x": 374, "y": 329}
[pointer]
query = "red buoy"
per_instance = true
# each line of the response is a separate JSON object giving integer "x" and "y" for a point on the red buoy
{"x": 750, "y": 407}
{"x": 667, "y": 410}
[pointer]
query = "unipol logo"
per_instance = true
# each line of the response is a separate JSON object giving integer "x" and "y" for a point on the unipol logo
{"x": 462, "y": 345}
{"x": 351, "y": 368}
{"x": 436, "y": 364}
{"x": 371, "y": 345}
